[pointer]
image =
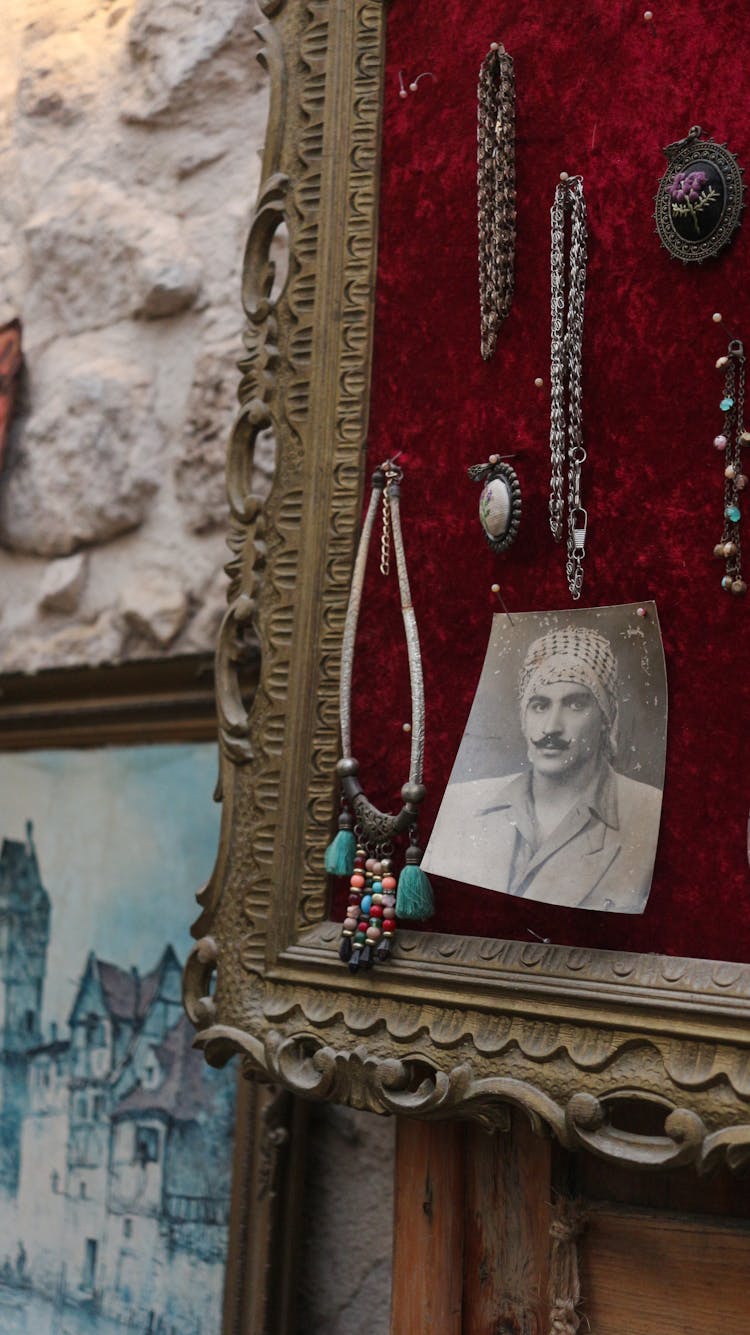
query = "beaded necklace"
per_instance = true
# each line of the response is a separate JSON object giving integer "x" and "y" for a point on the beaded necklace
{"x": 363, "y": 846}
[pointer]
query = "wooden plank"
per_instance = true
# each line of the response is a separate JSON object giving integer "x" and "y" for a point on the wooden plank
{"x": 643, "y": 1272}
{"x": 148, "y": 700}
{"x": 261, "y": 1288}
{"x": 679, "y": 1190}
{"x": 507, "y": 1244}
{"x": 428, "y": 1228}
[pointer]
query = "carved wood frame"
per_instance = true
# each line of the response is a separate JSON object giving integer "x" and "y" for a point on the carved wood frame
{"x": 452, "y": 1027}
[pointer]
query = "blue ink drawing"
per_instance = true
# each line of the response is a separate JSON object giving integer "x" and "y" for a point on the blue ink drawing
{"x": 115, "y": 1136}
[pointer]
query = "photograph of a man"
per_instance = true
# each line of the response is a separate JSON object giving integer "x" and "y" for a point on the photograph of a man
{"x": 570, "y": 826}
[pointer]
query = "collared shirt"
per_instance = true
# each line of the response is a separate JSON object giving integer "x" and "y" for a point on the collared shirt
{"x": 597, "y": 802}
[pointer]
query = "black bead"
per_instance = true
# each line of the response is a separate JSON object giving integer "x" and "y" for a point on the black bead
{"x": 354, "y": 961}
{"x": 365, "y": 958}
{"x": 383, "y": 951}
{"x": 345, "y": 949}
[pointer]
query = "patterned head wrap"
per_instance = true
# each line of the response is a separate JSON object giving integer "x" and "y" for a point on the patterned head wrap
{"x": 573, "y": 654}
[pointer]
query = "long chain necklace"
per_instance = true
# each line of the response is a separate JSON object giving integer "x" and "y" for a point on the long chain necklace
{"x": 496, "y": 191}
{"x": 567, "y": 516}
{"x": 730, "y": 442}
{"x": 363, "y": 847}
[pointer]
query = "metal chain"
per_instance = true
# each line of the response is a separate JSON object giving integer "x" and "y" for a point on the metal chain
{"x": 557, "y": 366}
{"x": 392, "y": 474}
{"x": 385, "y": 536}
{"x": 496, "y": 192}
{"x": 566, "y": 412}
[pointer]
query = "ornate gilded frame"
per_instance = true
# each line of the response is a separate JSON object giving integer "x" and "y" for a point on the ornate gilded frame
{"x": 453, "y": 1027}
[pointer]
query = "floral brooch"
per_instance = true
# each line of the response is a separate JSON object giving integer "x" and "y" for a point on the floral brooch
{"x": 500, "y": 501}
{"x": 699, "y": 200}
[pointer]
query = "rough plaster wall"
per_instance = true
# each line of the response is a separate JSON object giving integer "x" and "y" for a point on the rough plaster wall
{"x": 130, "y": 138}
{"x": 347, "y": 1226}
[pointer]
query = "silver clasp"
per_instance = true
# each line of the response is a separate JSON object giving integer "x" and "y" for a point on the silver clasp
{"x": 671, "y": 150}
{"x": 393, "y": 473}
{"x": 579, "y": 523}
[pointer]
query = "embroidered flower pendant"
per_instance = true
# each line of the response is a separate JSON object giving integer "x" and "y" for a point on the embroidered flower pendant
{"x": 699, "y": 200}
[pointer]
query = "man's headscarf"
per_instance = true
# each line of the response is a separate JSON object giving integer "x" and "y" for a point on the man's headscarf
{"x": 578, "y": 655}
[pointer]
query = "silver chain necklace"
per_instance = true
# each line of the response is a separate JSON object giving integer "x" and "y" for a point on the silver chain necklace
{"x": 496, "y": 191}
{"x": 567, "y": 516}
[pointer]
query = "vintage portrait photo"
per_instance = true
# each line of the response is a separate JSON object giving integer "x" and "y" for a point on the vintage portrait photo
{"x": 555, "y": 794}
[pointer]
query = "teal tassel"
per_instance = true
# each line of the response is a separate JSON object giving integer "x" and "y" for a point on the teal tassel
{"x": 339, "y": 856}
{"x": 414, "y": 897}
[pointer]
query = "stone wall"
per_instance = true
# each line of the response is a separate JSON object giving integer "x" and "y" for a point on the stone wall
{"x": 130, "y": 139}
{"x": 346, "y": 1239}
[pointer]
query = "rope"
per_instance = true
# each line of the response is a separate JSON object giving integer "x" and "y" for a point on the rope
{"x": 564, "y": 1284}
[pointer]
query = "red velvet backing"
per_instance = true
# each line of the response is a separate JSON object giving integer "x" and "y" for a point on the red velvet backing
{"x": 599, "y": 91}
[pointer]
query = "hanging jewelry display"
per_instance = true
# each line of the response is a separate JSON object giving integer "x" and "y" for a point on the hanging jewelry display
{"x": 499, "y": 503}
{"x": 363, "y": 847}
{"x": 730, "y": 442}
{"x": 568, "y": 518}
{"x": 699, "y": 200}
{"x": 496, "y": 191}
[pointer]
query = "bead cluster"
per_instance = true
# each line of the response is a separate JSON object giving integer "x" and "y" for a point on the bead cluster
{"x": 729, "y": 442}
{"x": 370, "y": 923}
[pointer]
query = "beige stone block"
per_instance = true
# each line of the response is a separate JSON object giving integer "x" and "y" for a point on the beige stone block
{"x": 84, "y": 467}
{"x": 155, "y": 607}
{"x": 62, "y": 584}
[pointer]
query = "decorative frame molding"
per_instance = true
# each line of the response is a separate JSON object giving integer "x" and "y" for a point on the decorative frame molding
{"x": 452, "y": 1027}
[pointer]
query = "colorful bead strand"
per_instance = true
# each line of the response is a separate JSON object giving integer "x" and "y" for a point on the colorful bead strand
{"x": 361, "y": 954}
{"x": 387, "y": 904}
{"x": 351, "y": 922}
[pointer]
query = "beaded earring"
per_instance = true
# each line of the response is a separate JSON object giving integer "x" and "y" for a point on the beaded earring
{"x": 730, "y": 442}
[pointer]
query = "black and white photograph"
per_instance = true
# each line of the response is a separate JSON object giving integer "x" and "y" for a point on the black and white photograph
{"x": 556, "y": 791}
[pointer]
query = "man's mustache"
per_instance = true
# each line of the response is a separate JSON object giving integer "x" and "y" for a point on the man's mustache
{"x": 551, "y": 742}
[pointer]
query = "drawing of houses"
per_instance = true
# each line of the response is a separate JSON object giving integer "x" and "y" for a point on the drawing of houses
{"x": 24, "y": 937}
{"x": 116, "y": 1140}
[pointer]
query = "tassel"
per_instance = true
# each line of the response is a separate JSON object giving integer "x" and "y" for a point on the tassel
{"x": 354, "y": 959}
{"x": 414, "y": 893}
{"x": 340, "y": 853}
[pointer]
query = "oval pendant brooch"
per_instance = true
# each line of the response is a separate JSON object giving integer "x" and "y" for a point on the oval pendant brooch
{"x": 699, "y": 200}
{"x": 499, "y": 503}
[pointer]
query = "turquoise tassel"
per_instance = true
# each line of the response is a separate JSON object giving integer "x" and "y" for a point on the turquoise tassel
{"x": 414, "y": 897}
{"x": 339, "y": 857}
